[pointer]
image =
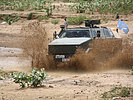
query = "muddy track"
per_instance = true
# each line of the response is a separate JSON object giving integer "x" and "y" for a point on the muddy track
{"x": 70, "y": 86}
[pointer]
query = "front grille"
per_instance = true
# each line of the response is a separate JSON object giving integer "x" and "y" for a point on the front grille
{"x": 61, "y": 49}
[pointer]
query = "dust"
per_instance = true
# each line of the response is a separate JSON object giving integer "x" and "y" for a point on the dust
{"x": 124, "y": 58}
{"x": 104, "y": 54}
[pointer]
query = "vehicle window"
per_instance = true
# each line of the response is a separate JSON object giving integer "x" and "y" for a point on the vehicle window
{"x": 94, "y": 33}
{"x": 75, "y": 33}
{"x": 111, "y": 33}
{"x": 107, "y": 33}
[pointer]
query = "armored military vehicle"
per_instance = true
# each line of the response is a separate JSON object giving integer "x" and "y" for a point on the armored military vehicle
{"x": 69, "y": 39}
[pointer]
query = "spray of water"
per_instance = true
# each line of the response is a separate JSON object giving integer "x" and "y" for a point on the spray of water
{"x": 105, "y": 53}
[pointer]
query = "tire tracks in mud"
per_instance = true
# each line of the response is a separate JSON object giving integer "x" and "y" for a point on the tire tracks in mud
{"x": 74, "y": 80}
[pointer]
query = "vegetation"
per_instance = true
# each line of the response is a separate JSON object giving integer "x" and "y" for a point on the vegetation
{"x": 117, "y": 92}
{"x": 21, "y": 5}
{"x": 7, "y": 18}
{"x": 30, "y": 16}
{"x": 132, "y": 70}
{"x": 103, "y": 6}
{"x": 54, "y": 21}
{"x": 49, "y": 9}
{"x": 35, "y": 79}
{"x": 4, "y": 74}
{"x": 43, "y": 18}
{"x": 80, "y": 7}
{"x": 76, "y": 20}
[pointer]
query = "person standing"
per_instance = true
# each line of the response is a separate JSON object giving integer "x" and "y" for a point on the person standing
{"x": 65, "y": 23}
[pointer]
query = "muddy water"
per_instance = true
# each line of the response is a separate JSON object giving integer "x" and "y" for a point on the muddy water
{"x": 13, "y": 62}
{"x": 11, "y": 57}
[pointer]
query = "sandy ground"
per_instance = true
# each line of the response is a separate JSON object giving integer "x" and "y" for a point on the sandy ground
{"x": 70, "y": 86}
{"x": 62, "y": 85}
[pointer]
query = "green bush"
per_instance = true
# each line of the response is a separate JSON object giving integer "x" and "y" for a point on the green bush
{"x": 54, "y": 21}
{"x": 43, "y": 18}
{"x": 21, "y": 5}
{"x": 29, "y": 16}
{"x": 4, "y": 75}
{"x": 9, "y": 19}
{"x": 35, "y": 79}
{"x": 103, "y": 6}
{"x": 117, "y": 92}
{"x": 76, "y": 20}
{"x": 80, "y": 7}
{"x": 49, "y": 9}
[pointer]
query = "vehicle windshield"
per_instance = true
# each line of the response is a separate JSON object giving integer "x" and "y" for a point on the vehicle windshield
{"x": 75, "y": 33}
